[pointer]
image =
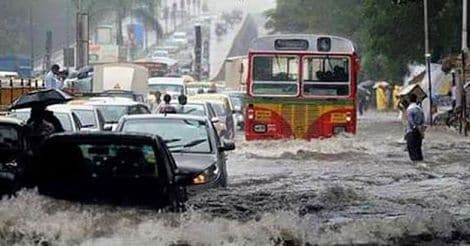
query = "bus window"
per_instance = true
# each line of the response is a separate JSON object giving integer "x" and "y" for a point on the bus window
{"x": 275, "y": 75}
{"x": 326, "y": 76}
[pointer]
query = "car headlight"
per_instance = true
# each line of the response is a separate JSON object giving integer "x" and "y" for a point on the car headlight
{"x": 206, "y": 176}
{"x": 240, "y": 117}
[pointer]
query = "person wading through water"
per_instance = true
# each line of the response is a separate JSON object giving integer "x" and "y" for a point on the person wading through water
{"x": 415, "y": 129}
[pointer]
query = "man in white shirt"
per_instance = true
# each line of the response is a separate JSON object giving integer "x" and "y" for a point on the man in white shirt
{"x": 52, "y": 80}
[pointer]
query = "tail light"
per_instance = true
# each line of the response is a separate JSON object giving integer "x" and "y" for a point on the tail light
{"x": 250, "y": 112}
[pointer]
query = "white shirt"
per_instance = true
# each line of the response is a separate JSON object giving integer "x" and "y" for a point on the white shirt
{"x": 52, "y": 81}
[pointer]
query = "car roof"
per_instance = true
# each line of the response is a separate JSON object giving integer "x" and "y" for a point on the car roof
{"x": 117, "y": 101}
{"x": 166, "y": 80}
{"x": 57, "y": 108}
{"x": 164, "y": 116}
{"x": 11, "y": 121}
{"x": 82, "y": 107}
{"x": 78, "y": 136}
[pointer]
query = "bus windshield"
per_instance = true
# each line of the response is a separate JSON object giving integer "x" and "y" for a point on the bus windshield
{"x": 275, "y": 75}
{"x": 326, "y": 76}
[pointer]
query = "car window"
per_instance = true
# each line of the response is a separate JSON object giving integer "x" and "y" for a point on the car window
{"x": 211, "y": 111}
{"x": 24, "y": 116}
{"x": 87, "y": 117}
{"x": 182, "y": 135}
{"x": 112, "y": 113}
{"x": 219, "y": 109}
{"x": 134, "y": 110}
{"x": 9, "y": 138}
{"x": 144, "y": 110}
{"x": 65, "y": 121}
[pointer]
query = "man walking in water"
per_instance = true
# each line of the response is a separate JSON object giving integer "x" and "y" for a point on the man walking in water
{"x": 414, "y": 129}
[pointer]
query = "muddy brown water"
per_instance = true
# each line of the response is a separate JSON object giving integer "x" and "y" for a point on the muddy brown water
{"x": 359, "y": 190}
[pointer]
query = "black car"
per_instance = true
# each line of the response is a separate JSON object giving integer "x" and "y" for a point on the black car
{"x": 111, "y": 167}
{"x": 192, "y": 140}
{"x": 13, "y": 155}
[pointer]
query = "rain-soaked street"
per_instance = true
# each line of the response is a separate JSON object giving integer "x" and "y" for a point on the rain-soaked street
{"x": 348, "y": 190}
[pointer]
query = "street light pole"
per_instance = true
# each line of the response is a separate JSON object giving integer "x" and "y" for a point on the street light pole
{"x": 428, "y": 58}
{"x": 464, "y": 57}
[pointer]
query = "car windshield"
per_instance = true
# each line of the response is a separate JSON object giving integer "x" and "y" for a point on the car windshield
{"x": 112, "y": 113}
{"x": 191, "y": 109}
{"x": 8, "y": 137}
{"x": 166, "y": 88}
{"x": 182, "y": 135}
{"x": 87, "y": 117}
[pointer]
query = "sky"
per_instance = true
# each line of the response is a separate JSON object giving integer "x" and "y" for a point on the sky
{"x": 252, "y": 6}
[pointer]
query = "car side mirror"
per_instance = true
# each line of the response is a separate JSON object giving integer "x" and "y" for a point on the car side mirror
{"x": 227, "y": 145}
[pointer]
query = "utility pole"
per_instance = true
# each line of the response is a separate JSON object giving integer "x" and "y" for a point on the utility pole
{"x": 31, "y": 35}
{"x": 82, "y": 36}
{"x": 428, "y": 58}
{"x": 464, "y": 57}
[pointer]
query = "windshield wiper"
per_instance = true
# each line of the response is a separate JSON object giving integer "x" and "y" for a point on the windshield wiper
{"x": 187, "y": 145}
{"x": 167, "y": 141}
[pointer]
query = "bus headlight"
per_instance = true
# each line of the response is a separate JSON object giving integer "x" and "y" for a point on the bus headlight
{"x": 348, "y": 118}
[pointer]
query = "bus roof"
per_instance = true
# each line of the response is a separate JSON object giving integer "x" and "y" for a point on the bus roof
{"x": 301, "y": 42}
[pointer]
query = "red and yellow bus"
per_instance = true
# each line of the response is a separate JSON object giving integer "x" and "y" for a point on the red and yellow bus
{"x": 301, "y": 86}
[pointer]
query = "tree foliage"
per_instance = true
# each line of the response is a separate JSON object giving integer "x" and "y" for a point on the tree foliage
{"x": 389, "y": 34}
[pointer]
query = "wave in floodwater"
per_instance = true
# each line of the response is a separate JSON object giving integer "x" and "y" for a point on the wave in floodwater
{"x": 31, "y": 219}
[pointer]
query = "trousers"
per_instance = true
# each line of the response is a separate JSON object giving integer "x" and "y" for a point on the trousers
{"x": 414, "y": 142}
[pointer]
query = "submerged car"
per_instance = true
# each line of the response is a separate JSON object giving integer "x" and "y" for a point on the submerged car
{"x": 192, "y": 140}
{"x": 223, "y": 108}
{"x": 90, "y": 117}
{"x": 111, "y": 167}
{"x": 13, "y": 154}
{"x": 113, "y": 108}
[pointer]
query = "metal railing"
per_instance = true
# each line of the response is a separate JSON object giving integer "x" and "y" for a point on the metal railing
{"x": 11, "y": 89}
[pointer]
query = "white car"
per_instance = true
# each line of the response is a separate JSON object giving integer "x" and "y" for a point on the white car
{"x": 91, "y": 117}
{"x": 160, "y": 54}
{"x": 68, "y": 119}
{"x": 168, "y": 85}
{"x": 113, "y": 108}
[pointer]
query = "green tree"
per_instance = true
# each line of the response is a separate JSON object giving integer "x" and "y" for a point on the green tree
{"x": 389, "y": 34}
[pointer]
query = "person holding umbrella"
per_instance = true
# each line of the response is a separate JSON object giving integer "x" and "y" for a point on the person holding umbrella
{"x": 52, "y": 80}
{"x": 39, "y": 127}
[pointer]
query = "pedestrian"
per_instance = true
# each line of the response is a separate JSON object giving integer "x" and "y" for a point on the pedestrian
{"x": 51, "y": 118}
{"x": 38, "y": 128}
{"x": 52, "y": 80}
{"x": 167, "y": 107}
{"x": 415, "y": 129}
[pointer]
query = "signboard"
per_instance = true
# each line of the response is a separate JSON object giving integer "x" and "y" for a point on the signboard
{"x": 136, "y": 36}
{"x": 103, "y": 53}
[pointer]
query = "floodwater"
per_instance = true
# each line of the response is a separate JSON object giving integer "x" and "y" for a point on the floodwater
{"x": 348, "y": 190}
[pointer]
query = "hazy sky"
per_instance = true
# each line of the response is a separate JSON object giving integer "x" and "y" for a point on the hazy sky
{"x": 253, "y": 6}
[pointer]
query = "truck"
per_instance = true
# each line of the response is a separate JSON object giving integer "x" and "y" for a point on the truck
{"x": 121, "y": 79}
{"x": 236, "y": 72}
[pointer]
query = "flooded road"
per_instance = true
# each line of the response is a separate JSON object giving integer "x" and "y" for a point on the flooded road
{"x": 348, "y": 190}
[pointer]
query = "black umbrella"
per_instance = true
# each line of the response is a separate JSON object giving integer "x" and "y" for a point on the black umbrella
{"x": 40, "y": 98}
